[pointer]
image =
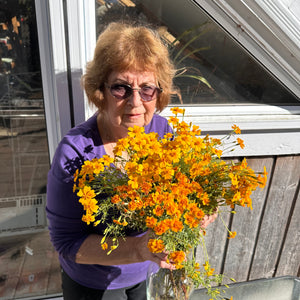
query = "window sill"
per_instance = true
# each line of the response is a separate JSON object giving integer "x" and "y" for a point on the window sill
{"x": 265, "y": 130}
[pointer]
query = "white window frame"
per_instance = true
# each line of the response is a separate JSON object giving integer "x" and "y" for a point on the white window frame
{"x": 266, "y": 130}
{"x": 53, "y": 56}
{"x": 266, "y": 29}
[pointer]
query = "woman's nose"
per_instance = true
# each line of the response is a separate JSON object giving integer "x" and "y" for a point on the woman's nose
{"x": 135, "y": 99}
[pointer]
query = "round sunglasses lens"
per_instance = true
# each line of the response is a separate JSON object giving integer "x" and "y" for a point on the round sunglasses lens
{"x": 148, "y": 92}
{"x": 120, "y": 91}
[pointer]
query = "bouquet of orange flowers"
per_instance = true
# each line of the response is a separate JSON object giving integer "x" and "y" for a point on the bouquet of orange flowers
{"x": 166, "y": 185}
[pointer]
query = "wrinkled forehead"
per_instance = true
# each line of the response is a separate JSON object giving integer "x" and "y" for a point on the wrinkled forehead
{"x": 133, "y": 76}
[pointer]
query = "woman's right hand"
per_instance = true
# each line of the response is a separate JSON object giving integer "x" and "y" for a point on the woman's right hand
{"x": 144, "y": 253}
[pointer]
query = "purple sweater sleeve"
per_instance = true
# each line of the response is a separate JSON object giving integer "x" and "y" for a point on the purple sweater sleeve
{"x": 64, "y": 212}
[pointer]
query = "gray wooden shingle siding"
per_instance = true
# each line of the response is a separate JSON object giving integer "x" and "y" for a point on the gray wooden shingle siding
{"x": 267, "y": 243}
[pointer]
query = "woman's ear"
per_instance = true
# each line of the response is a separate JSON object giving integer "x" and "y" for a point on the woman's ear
{"x": 98, "y": 98}
{"x": 98, "y": 94}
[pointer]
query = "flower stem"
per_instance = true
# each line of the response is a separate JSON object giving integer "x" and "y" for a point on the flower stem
{"x": 173, "y": 284}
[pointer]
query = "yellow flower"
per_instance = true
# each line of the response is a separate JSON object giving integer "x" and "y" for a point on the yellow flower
{"x": 90, "y": 205}
{"x": 76, "y": 175}
{"x": 156, "y": 246}
{"x": 88, "y": 218}
{"x": 205, "y": 199}
{"x": 173, "y": 120}
{"x": 166, "y": 185}
{"x": 97, "y": 166}
{"x": 86, "y": 193}
{"x": 240, "y": 142}
{"x": 104, "y": 246}
{"x": 234, "y": 180}
{"x": 236, "y": 129}
{"x": 158, "y": 211}
{"x": 176, "y": 225}
{"x": 150, "y": 222}
{"x": 177, "y": 257}
{"x": 232, "y": 234}
{"x": 263, "y": 179}
{"x": 133, "y": 183}
{"x": 116, "y": 199}
{"x": 177, "y": 110}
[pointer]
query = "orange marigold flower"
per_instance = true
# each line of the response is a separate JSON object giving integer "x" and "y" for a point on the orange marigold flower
{"x": 98, "y": 166}
{"x": 240, "y": 142}
{"x": 205, "y": 199}
{"x": 236, "y": 129}
{"x": 86, "y": 193}
{"x": 156, "y": 246}
{"x": 76, "y": 175}
{"x": 208, "y": 269}
{"x": 151, "y": 222}
{"x": 262, "y": 180}
{"x": 177, "y": 257}
{"x": 104, "y": 246}
{"x": 173, "y": 120}
{"x": 177, "y": 110}
{"x": 107, "y": 160}
{"x": 90, "y": 205}
{"x": 176, "y": 225}
{"x": 133, "y": 184}
{"x": 232, "y": 234}
{"x": 234, "y": 180}
{"x": 161, "y": 227}
{"x": 116, "y": 199}
{"x": 132, "y": 205}
{"x": 158, "y": 211}
{"x": 117, "y": 222}
{"x": 168, "y": 136}
{"x": 210, "y": 272}
{"x": 88, "y": 218}
{"x": 191, "y": 221}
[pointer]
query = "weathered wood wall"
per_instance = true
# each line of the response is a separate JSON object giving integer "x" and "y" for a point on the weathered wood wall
{"x": 268, "y": 237}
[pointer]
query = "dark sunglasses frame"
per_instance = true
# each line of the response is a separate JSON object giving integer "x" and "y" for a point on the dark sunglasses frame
{"x": 129, "y": 91}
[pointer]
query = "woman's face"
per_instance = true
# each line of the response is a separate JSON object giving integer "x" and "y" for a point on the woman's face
{"x": 131, "y": 111}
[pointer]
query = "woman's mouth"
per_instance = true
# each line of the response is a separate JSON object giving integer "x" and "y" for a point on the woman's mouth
{"x": 134, "y": 116}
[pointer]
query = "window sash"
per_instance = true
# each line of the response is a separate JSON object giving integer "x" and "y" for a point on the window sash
{"x": 267, "y": 130}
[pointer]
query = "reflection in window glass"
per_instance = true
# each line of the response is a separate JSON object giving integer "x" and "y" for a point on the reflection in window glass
{"x": 27, "y": 262}
{"x": 212, "y": 67}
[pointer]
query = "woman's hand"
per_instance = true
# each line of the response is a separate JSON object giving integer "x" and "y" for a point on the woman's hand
{"x": 208, "y": 219}
{"x": 145, "y": 254}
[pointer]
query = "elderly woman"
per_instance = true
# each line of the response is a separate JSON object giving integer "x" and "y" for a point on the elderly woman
{"x": 128, "y": 80}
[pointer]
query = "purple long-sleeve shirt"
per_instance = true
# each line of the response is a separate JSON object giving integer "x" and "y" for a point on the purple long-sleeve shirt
{"x": 64, "y": 212}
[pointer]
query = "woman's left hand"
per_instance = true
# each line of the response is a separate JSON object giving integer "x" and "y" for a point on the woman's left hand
{"x": 208, "y": 219}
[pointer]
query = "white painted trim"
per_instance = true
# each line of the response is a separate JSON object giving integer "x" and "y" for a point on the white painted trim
{"x": 237, "y": 110}
{"x": 48, "y": 75}
{"x": 76, "y": 54}
{"x": 281, "y": 18}
{"x": 52, "y": 43}
{"x": 89, "y": 43}
{"x": 266, "y": 130}
{"x": 58, "y": 42}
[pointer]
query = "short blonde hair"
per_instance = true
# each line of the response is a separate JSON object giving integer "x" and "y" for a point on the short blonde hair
{"x": 124, "y": 47}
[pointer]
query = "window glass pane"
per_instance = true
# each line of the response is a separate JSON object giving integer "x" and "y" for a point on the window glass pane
{"x": 213, "y": 67}
{"x": 28, "y": 264}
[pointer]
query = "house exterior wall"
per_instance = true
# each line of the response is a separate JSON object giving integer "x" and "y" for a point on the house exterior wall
{"x": 267, "y": 243}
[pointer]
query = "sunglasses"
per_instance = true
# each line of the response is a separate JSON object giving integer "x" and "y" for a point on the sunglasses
{"x": 124, "y": 91}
